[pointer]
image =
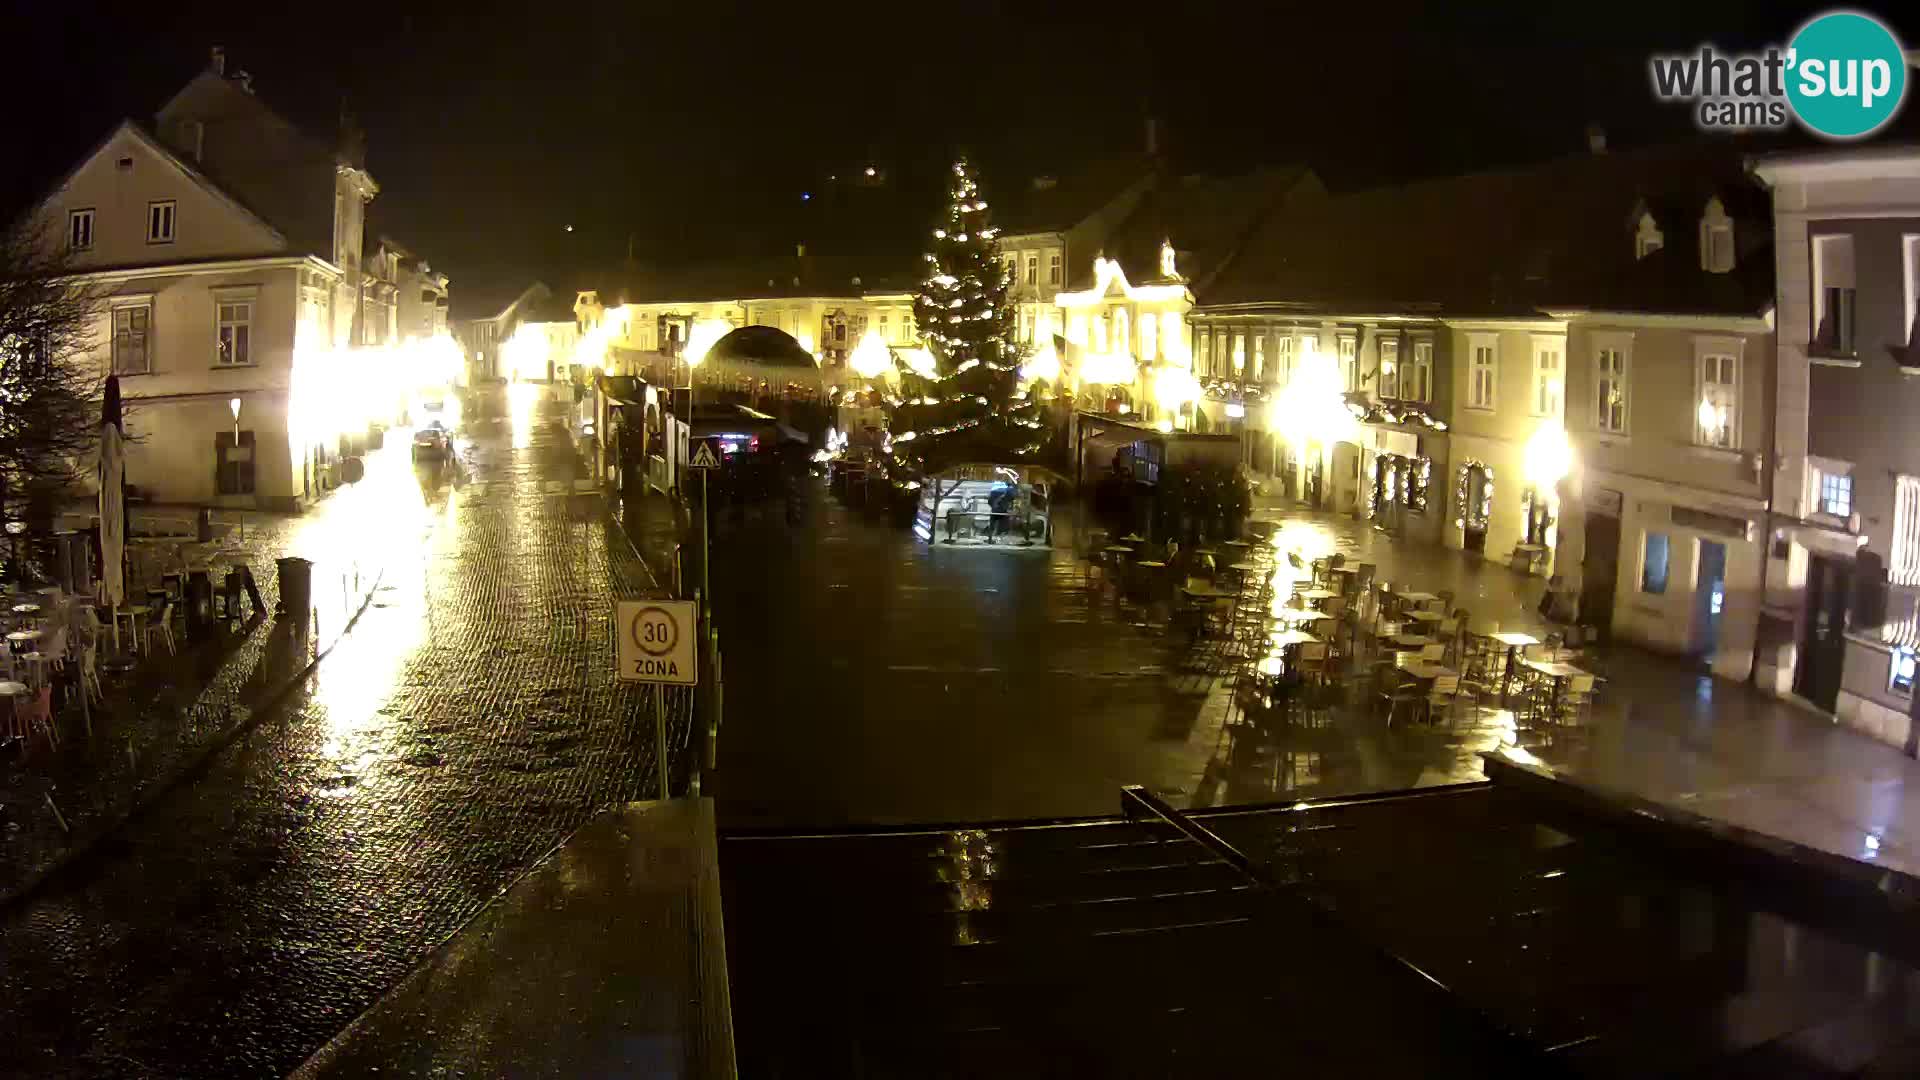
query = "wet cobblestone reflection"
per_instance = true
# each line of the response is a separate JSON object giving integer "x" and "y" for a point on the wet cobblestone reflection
{"x": 467, "y": 725}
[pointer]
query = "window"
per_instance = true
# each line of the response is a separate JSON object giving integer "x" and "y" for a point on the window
{"x": 1610, "y": 389}
{"x": 1716, "y": 238}
{"x": 886, "y": 332}
{"x": 1122, "y": 334}
{"x": 1548, "y": 384}
{"x": 1416, "y": 383}
{"x": 1484, "y": 359}
{"x": 1900, "y": 671}
{"x": 160, "y": 222}
{"x": 233, "y": 465}
{"x": 79, "y": 230}
{"x": 1283, "y": 359}
{"x": 1653, "y": 564}
{"x": 1259, "y": 358}
{"x": 1833, "y": 293}
{"x": 234, "y": 334}
{"x": 1149, "y": 338}
{"x": 1389, "y": 368}
{"x": 1239, "y": 353}
{"x": 1205, "y": 338}
{"x": 1910, "y": 263}
{"x": 1033, "y": 269}
{"x": 1836, "y": 494}
{"x": 131, "y": 326}
{"x": 1053, "y": 268}
{"x": 1904, "y": 567}
{"x": 1648, "y": 238}
{"x": 1717, "y": 415}
{"x": 1347, "y": 356}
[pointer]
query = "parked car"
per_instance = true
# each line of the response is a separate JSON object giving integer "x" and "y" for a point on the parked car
{"x": 431, "y": 444}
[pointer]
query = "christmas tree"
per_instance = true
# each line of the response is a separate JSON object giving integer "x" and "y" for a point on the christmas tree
{"x": 969, "y": 396}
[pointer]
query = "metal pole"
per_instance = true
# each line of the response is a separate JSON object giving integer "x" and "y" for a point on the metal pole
{"x": 660, "y": 738}
{"x": 706, "y": 539}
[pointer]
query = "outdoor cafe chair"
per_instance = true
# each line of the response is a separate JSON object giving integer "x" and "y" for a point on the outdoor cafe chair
{"x": 36, "y": 714}
{"x": 1444, "y": 694}
{"x": 1402, "y": 691}
{"x": 1313, "y": 661}
{"x": 164, "y": 627}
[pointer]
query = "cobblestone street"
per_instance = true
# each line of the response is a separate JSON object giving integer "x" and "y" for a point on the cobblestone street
{"x": 468, "y": 724}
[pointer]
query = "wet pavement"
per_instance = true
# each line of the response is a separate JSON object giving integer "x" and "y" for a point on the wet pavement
{"x": 877, "y": 680}
{"x": 467, "y": 725}
{"x": 161, "y": 719}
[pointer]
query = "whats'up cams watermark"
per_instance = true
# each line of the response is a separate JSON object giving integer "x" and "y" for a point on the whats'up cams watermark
{"x": 1843, "y": 76}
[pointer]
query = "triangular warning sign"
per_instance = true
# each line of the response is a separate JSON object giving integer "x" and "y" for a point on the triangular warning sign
{"x": 703, "y": 457}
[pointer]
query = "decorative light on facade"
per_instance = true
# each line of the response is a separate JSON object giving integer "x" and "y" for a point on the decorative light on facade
{"x": 701, "y": 339}
{"x": 1109, "y": 369}
{"x": 1174, "y": 387}
{"x": 1312, "y": 407}
{"x": 1045, "y": 365}
{"x": 871, "y": 358}
{"x": 920, "y": 362}
{"x": 1548, "y": 457}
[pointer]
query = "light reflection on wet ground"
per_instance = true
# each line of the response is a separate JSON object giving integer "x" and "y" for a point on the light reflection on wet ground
{"x": 469, "y": 722}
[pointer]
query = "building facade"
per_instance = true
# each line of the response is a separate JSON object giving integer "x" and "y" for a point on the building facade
{"x": 1843, "y": 565}
{"x": 228, "y": 244}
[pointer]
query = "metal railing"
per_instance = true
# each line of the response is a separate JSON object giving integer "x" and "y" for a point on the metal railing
{"x": 1137, "y": 802}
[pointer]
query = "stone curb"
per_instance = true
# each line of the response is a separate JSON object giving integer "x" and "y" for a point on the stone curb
{"x": 165, "y": 786}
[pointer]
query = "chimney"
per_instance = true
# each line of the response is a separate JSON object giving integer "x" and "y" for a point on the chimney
{"x": 1596, "y": 139}
{"x": 245, "y": 79}
{"x": 219, "y": 64}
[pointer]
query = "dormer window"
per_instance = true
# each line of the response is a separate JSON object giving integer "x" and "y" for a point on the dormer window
{"x": 1647, "y": 237}
{"x": 1716, "y": 239}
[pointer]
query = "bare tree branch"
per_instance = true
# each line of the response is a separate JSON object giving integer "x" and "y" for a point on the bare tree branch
{"x": 50, "y": 387}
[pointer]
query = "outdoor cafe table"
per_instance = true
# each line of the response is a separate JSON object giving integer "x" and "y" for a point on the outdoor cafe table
{"x": 1288, "y": 638}
{"x": 1314, "y": 596}
{"x": 1514, "y": 641}
{"x": 1425, "y": 616}
{"x": 1558, "y": 671}
{"x": 26, "y": 609}
{"x": 22, "y": 641}
{"x": 1298, "y": 616}
{"x": 1239, "y": 546}
{"x": 1413, "y": 598}
{"x": 1412, "y": 641}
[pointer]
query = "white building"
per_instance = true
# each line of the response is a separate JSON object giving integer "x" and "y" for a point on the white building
{"x": 228, "y": 243}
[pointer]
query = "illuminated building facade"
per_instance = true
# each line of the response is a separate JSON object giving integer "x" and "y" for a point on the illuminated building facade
{"x": 1843, "y": 569}
{"x": 230, "y": 246}
{"x": 1469, "y": 329}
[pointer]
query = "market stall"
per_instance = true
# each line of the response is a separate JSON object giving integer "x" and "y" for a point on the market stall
{"x": 988, "y": 505}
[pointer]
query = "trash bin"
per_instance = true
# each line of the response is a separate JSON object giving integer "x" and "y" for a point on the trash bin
{"x": 199, "y": 592}
{"x": 296, "y": 587}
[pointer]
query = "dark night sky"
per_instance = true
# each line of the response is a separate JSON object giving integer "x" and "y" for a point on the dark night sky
{"x": 694, "y": 127}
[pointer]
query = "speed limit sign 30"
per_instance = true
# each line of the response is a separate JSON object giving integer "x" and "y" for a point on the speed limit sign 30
{"x": 655, "y": 641}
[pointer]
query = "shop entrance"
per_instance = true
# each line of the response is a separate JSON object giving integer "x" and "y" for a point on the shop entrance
{"x": 1600, "y": 570}
{"x": 1478, "y": 508}
{"x": 1709, "y": 596}
{"x": 1823, "y": 643}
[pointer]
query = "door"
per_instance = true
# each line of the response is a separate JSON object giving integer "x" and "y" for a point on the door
{"x": 1479, "y": 499}
{"x": 1600, "y": 570}
{"x": 1822, "y": 642}
{"x": 1709, "y": 596}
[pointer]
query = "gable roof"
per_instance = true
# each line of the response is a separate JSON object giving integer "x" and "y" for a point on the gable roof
{"x": 1205, "y": 218}
{"x": 1058, "y": 203}
{"x": 1513, "y": 243}
{"x": 161, "y": 150}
